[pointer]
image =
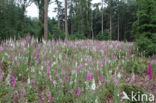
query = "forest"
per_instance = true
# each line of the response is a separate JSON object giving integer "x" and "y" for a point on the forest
{"x": 89, "y": 52}
{"x": 110, "y": 19}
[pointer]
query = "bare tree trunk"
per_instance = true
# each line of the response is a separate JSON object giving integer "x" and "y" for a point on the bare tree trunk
{"x": 92, "y": 25}
{"x": 102, "y": 17}
{"x": 66, "y": 21}
{"x": 125, "y": 32}
{"x": 45, "y": 19}
{"x": 81, "y": 22}
{"x": 118, "y": 29}
{"x": 71, "y": 21}
{"x": 111, "y": 26}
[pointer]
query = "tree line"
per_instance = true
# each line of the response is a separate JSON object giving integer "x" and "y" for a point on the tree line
{"x": 76, "y": 19}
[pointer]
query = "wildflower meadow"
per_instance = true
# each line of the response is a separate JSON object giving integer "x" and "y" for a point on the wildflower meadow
{"x": 81, "y": 71}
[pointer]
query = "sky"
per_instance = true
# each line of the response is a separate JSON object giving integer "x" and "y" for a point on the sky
{"x": 32, "y": 10}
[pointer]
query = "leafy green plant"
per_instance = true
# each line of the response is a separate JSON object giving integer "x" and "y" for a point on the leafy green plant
{"x": 5, "y": 93}
{"x": 144, "y": 28}
{"x": 128, "y": 89}
{"x": 104, "y": 36}
{"x": 76, "y": 36}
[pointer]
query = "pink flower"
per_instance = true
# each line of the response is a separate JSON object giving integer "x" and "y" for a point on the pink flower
{"x": 30, "y": 63}
{"x": 14, "y": 98}
{"x": 86, "y": 98}
{"x": 149, "y": 71}
{"x": 89, "y": 77}
{"x": 1, "y": 76}
{"x": 52, "y": 83}
{"x": 48, "y": 71}
{"x": 116, "y": 72}
{"x": 33, "y": 82}
{"x": 71, "y": 91}
{"x": 66, "y": 79}
{"x": 51, "y": 99}
{"x": 101, "y": 78}
{"x": 27, "y": 37}
{"x": 38, "y": 56}
{"x": 78, "y": 92}
{"x": 37, "y": 88}
{"x": 12, "y": 81}
{"x": 42, "y": 95}
{"x": 47, "y": 93}
{"x": 95, "y": 74}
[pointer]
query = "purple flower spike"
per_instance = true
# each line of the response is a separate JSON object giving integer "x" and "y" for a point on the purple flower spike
{"x": 101, "y": 78}
{"x": 78, "y": 92}
{"x": 12, "y": 81}
{"x": 149, "y": 71}
{"x": 48, "y": 71}
{"x": 89, "y": 77}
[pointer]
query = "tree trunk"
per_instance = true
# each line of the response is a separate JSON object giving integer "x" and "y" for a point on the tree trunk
{"x": 118, "y": 28}
{"x": 71, "y": 26}
{"x": 92, "y": 25}
{"x": 66, "y": 21}
{"x": 92, "y": 29}
{"x": 102, "y": 17}
{"x": 45, "y": 19}
{"x": 111, "y": 26}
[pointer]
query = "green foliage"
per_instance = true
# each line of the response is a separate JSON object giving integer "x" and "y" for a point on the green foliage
{"x": 135, "y": 65}
{"x": 4, "y": 91}
{"x": 144, "y": 29}
{"x": 76, "y": 36}
{"x": 104, "y": 36}
{"x": 128, "y": 89}
{"x": 146, "y": 45}
{"x": 57, "y": 34}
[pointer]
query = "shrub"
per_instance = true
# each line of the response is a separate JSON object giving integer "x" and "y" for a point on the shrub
{"x": 57, "y": 34}
{"x": 127, "y": 88}
{"x": 146, "y": 45}
{"x": 104, "y": 36}
{"x": 76, "y": 36}
{"x": 144, "y": 29}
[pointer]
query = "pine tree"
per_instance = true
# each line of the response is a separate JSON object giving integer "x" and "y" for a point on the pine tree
{"x": 144, "y": 29}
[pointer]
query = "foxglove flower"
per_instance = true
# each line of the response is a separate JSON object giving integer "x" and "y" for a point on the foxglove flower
{"x": 71, "y": 91}
{"x": 48, "y": 71}
{"x": 51, "y": 99}
{"x": 1, "y": 76}
{"x": 149, "y": 71}
{"x": 101, "y": 78}
{"x": 93, "y": 86}
{"x": 12, "y": 81}
{"x": 119, "y": 75}
{"x": 33, "y": 83}
{"x": 86, "y": 98}
{"x": 96, "y": 101}
{"x": 78, "y": 92}
{"x": 89, "y": 77}
{"x": 28, "y": 80}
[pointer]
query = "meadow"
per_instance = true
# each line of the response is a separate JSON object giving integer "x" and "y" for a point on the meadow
{"x": 81, "y": 71}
